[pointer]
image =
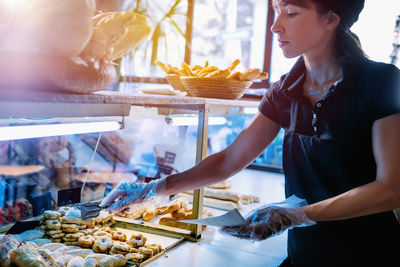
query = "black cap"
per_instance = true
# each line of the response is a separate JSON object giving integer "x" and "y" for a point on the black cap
{"x": 347, "y": 10}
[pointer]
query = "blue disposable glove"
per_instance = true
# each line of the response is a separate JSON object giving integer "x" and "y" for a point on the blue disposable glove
{"x": 126, "y": 194}
{"x": 270, "y": 220}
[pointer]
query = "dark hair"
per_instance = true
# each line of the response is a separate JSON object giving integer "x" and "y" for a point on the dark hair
{"x": 347, "y": 46}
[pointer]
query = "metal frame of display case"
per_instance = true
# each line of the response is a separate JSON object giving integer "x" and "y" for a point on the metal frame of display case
{"x": 117, "y": 104}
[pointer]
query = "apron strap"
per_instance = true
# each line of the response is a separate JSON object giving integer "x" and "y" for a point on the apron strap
{"x": 293, "y": 117}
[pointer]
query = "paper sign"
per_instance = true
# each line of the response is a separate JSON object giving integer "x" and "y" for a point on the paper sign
{"x": 231, "y": 218}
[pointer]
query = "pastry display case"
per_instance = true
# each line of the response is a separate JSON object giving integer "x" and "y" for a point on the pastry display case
{"x": 44, "y": 169}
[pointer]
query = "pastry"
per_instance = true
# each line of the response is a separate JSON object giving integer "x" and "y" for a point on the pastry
{"x": 135, "y": 257}
{"x": 97, "y": 256}
{"x": 120, "y": 248}
{"x": 27, "y": 255}
{"x": 8, "y": 242}
{"x": 102, "y": 244}
{"x": 51, "y": 215}
{"x": 147, "y": 252}
{"x": 119, "y": 236}
{"x": 150, "y": 214}
{"x": 137, "y": 240}
{"x": 76, "y": 262}
{"x": 63, "y": 260}
{"x": 102, "y": 233}
{"x": 53, "y": 246}
{"x": 155, "y": 247}
{"x": 86, "y": 241}
{"x": 74, "y": 235}
{"x": 168, "y": 208}
{"x": 53, "y": 224}
{"x": 70, "y": 228}
{"x": 114, "y": 261}
{"x": 53, "y": 232}
{"x": 40, "y": 241}
{"x": 83, "y": 253}
{"x": 56, "y": 236}
{"x": 90, "y": 262}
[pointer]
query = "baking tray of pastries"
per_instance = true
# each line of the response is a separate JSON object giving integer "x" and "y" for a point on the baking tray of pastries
{"x": 62, "y": 239}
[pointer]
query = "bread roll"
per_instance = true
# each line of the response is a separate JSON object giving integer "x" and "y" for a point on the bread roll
{"x": 56, "y": 27}
{"x": 137, "y": 32}
{"x": 109, "y": 29}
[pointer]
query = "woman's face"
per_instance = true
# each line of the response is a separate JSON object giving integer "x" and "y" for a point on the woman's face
{"x": 300, "y": 30}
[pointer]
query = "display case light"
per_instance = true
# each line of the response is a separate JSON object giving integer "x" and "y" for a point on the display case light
{"x": 193, "y": 121}
{"x": 46, "y": 130}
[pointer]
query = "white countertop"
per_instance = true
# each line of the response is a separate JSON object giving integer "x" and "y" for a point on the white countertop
{"x": 215, "y": 249}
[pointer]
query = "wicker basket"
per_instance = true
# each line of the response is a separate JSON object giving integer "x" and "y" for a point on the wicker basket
{"x": 215, "y": 87}
{"x": 176, "y": 83}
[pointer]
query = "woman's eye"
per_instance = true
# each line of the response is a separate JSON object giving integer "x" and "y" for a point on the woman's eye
{"x": 291, "y": 15}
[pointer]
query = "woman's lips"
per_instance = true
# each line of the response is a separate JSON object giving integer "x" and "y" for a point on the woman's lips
{"x": 282, "y": 43}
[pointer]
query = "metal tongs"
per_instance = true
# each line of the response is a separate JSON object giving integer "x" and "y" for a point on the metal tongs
{"x": 90, "y": 209}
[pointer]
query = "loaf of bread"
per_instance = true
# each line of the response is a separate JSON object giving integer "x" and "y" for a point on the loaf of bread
{"x": 115, "y": 34}
{"x": 56, "y": 27}
{"x": 213, "y": 202}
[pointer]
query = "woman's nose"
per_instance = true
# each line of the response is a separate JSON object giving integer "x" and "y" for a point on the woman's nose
{"x": 277, "y": 26}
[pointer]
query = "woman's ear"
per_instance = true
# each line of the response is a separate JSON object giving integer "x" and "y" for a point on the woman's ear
{"x": 333, "y": 20}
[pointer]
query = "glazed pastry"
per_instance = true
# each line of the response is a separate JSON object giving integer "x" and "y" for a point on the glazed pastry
{"x": 27, "y": 255}
{"x": 86, "y": 241}
{"x": 51, "y": 215}
{"x": 74, "y": 235}
{"x": 53, "y": 232}
{"x": 76, "y": 262}
{"x": 83, "y": 253}
{"x": 137, "y": 240}
{"x": 49, "y": 260}
{"x": 168, "y": 208}
{"x": 97, "y": 256}
{"x": 40, "y": 242}
{"x": 53, "y": 246}
{"x": 66, "y": 248}
{"x": 90, "y": 262}
{"x": 102, "y": 244}
{"x": 120, "y": 248}
{"x": 8, "y": 242}
{"x": 64, "y": 210}
{"x": 114, "y": 261}
{"x": 119, "y": 236}
{"x": 147, "y": 253}
{"x": 102, "y": 234}
{"x": 71, "y": 243}
{"x": 55, "y": 236}
{"x": 53, "y": 224}
{"x": 70, "y": 228}
{"x": 155, "y": 247}
{"x": 150, "y": 214}
{"x": 63, "y": 260}
{"x": 135, "y": 257}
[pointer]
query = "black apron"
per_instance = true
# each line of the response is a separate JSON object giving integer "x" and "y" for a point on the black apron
{"x": 314, "y": 170}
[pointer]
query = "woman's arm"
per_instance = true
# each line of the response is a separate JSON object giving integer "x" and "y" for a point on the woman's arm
{"x": 378, "y": 196}
{"x": 248, "y": 145}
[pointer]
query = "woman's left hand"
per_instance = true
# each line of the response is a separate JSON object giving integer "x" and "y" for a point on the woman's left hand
{"x": 271, "y": 220}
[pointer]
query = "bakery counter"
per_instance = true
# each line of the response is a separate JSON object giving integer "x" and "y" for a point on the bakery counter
{"x": 215, "y": 249}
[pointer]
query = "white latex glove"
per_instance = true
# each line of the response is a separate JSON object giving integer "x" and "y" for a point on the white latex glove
{"x": 126, "y": 194}
{"x": 270, "y": 220}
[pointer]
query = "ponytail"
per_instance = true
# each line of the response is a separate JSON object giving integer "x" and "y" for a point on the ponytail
{"x": 347, "y": 46}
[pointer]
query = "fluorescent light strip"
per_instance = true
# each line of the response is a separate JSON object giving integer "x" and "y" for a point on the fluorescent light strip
{"x": 46, "y": 130}
{"x": 193, "y": 121}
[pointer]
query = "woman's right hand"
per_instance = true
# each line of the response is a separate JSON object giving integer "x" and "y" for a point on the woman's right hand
{"x": 127, "y": 193}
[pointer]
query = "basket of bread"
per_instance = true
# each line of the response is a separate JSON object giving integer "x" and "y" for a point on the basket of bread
{"x": 210, "y": 81}
{"x": 68, "y": 45}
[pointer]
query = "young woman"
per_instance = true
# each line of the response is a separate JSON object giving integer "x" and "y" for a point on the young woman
{"x": 341, "y": 116}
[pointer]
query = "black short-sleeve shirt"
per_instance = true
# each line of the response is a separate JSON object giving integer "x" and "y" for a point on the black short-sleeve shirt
{"x": 368, "y": 91}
